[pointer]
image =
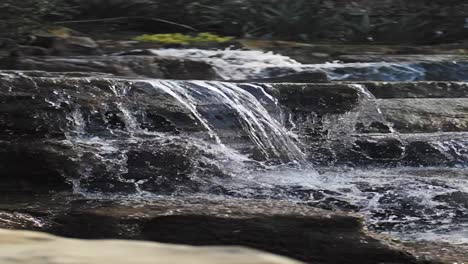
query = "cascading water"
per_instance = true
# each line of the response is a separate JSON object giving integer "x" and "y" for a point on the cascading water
{"x": 233, "y": 142}
{"x": 229, "y": 113}
{"x": 266, "y": 132}
{"x": 245, "y": 65}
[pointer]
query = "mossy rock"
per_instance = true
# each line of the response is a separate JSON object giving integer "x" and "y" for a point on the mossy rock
{"x": 178, "y": 38}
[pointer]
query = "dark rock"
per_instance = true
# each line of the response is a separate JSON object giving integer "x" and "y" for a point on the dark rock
{"x": 318, "y": 98}
{"x": 132, "y": 66}
{"x": 441, "y": 149}
{"x": 138, "y": 52}
{"x": 447, "y": 71}
{"x": 64, "y": 45}
{"x": 399, "y": 72}
{"x": 388, "y": 90}
{"x": 301, "y": 232}
{"x": 421, "y": 153}
{"x": 383, "y": 149}
{"x": 302, "y": 77}
{"x": 373, "y": 127}
{"x": 27, "y": 50}
{"x": 456, "y": 199}
{"x": 401, "y": 58}
{"x": 34, "y": 167}
{"x": 50, "y": 123}
{"x": 426, "y": 115}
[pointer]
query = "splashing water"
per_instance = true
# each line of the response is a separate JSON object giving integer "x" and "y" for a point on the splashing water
{"x": 105, "y": 154}
{"x": 251, "y": 64}
{"x": 401, "y": 202}
{"x": 266, "y": 132}
{"x": 235, "y": 64}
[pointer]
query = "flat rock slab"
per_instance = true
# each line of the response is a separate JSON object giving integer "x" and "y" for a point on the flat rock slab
{"x": 33, "y": 247}
{"x": 403, "y": 58}
{"x": 285, "y": 228}
{"x": 132, "y": 66}
{"x": 426, "y": 115}
{"x": 388, "y": 90}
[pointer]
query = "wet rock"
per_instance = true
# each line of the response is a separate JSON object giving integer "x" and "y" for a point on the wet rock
{"x": 456, "y": 199}
{"x": 426, "y": 115}
{"x": 401, "y": 58}
{"x": 33, "y": 166}
{"x": 442, "y": 149}
{"x": 23, "y": 246}
{"x": 63, "y": 45}
{"x": 318, "y": 98}
{"x": 78, "y": 130}
{"x": 274, "y": 226}
{"x": 132, "y": 66}
{"x": 388, "y": 90}
{"x": 383, "y": 149}
{"x": 57, "y": 106}
{"x": 303, "y": 77}
{"x": 398, "y": 72}
{"x": 320, "y": 53}
{"x": 441, "y": 252}
{"x": 448, "y": 71}
{"x": 372, "y": 127}
{"x": 421, "y": 153}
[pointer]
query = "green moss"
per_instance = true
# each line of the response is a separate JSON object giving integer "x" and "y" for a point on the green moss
{"x": 178, "y": 38}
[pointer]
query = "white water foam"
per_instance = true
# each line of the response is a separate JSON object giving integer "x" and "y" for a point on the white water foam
{"x": 252, "y": 64}
{"x": 399, "y": 202}
{"x": 266, "y": 132}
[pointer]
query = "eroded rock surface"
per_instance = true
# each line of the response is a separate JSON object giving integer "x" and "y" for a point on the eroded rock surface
{"x": 301, "y": 232}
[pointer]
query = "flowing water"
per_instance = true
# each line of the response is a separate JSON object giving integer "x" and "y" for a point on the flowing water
{"x": 244, "y": 65}
{"x": 410, "y": 203}
{"x": 244, "y": 132}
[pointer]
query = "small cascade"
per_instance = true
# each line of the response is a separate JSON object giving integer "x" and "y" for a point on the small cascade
{"x": 238, "y": 125}
{"x": 238, "y": 64}
{"x": 454, "y": 149}
{"x": 376, "y": 71}
{"x": 251, "y": 64}
{"x": 366, "y": 117}
{"x": 265, "y": 131}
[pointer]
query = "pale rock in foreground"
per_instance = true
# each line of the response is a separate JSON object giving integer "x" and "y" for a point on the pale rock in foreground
{"x": 35, "y": 247}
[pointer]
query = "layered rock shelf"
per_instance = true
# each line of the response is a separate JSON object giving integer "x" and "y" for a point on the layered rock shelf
{"x": 358, "y": 161}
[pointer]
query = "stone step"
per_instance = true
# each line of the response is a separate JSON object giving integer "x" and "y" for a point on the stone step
{"x": 426, "y": 115}
{"x": 389, "y": 90}
{"x": 422, "y": 149}
{"x": 279, "y": 227}
{"x": 131, "y": 66}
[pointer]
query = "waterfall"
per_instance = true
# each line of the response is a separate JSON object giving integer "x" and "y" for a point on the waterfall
{"x": 264, "y": 130}
{"x": 225, "y": 129}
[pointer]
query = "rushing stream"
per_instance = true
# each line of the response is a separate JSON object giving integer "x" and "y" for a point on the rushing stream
{"x": 244, "y": 65}
{"x": 411, "y": 203}
{"x": 236, "y": 140}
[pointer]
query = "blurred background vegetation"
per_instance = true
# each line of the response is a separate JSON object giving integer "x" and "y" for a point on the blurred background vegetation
{"x": 341, "y": 21}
